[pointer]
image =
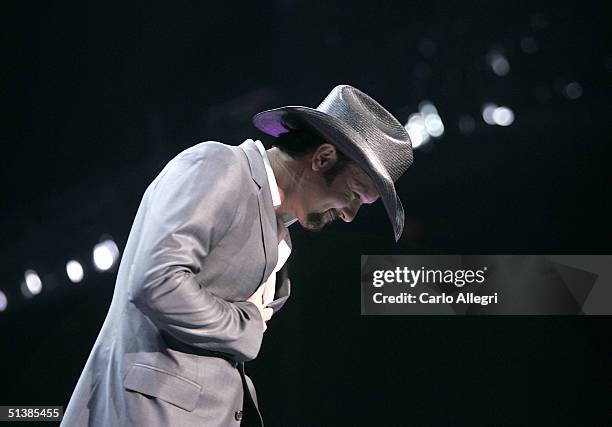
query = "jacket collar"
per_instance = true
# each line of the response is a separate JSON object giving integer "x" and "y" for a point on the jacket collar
{"x": 287, "y": 219}
{"x": 266, "y": 209}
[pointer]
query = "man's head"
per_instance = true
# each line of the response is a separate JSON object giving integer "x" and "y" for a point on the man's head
{"x": 326, "y": 184}
{"x": 361, "y": 128}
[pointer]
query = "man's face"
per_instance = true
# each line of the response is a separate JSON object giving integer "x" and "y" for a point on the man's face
{"x": 321, "y": 201}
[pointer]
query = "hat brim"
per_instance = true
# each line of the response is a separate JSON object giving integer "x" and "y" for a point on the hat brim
{"x": 281, "y": 120}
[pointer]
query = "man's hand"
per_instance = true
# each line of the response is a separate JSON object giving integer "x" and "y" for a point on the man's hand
{"x": 257, "y": 299}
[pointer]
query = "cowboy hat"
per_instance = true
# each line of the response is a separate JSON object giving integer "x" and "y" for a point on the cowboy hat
{"x": 359, "y": 127}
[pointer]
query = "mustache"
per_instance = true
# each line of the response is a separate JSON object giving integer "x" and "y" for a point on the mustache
{"x": 317, "y": 220}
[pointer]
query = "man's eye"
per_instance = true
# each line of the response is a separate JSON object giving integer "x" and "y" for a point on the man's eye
{"x": 356, "y": 196}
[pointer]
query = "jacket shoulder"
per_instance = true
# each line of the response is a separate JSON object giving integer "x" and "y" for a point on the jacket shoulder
{"x": 209, "y": 163}
{"x": 209, "y": 150}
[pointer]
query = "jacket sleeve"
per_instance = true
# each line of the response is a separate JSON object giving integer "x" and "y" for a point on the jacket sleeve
{"x": 190, "y": 206}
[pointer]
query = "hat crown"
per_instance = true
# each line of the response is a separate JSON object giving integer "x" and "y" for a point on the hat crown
{"x": 381, "y": 131}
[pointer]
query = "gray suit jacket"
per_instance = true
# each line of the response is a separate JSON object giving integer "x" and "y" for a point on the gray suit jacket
{"x": 203, "y": 240}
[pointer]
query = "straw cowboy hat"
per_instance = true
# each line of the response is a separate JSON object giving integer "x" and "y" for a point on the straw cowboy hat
{"x": 359, "y": 127}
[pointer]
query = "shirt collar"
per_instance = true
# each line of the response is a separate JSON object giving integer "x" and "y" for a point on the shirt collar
{"x": 276, "y": 200}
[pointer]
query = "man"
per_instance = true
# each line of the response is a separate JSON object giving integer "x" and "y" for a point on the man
{"x": 203, "y": 268}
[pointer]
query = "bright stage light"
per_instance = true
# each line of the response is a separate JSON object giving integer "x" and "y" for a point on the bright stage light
{"x": 433, "y": 125}
{"x": 416, "y": 130}
{"x": 3, "y": 301}
{"x": 487, "y": 113}
{"x": 431, "y": 119}
{"x": 426, "y": 108}
{"x": 425, "y": 124}
{"x": 74, "y": 270}
{"x": 105, "y": 254}
{"x": 33, "y": 282}
{"x": 503, "y": 116}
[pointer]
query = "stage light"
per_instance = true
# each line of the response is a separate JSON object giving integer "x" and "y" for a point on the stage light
{"x": 434, "y": 125}
{"x": 416, "y": 130}
{"x": 426, "y": 108}
{"x": 487, "y": 113}
{"x": 466, "y": 124}
{"x": 3, "y": 301}
{"x": 33, "y": 282}
{"x": 572, "y": 90}
{"x": 424, "y": 124}
{"x": 529, "y": 45}
{"x": 503, "y": 116}
{"x": 433, "y": 122}
{"x": 498, "y": 63}
{"x": 74, "y": 270}
{"x": 105, "y": 254}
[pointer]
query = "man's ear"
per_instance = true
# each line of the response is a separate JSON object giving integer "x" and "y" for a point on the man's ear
{"x": 324, "y": 157}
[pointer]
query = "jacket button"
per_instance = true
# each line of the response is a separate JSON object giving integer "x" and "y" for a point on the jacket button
{"x": 238, "y": 415}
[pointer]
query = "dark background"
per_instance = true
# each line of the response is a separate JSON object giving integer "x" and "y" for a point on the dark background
{"x": 97, "y": 98}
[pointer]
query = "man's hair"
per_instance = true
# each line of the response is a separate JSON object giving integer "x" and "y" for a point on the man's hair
{"x": 300, "y": 142}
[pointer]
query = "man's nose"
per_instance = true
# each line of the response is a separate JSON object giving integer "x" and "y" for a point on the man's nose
{"x": 349, "y": 212}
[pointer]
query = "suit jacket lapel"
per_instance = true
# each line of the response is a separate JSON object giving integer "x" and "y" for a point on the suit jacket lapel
{"x": 283, "y": 284}
{"x": 267, "y": 214}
